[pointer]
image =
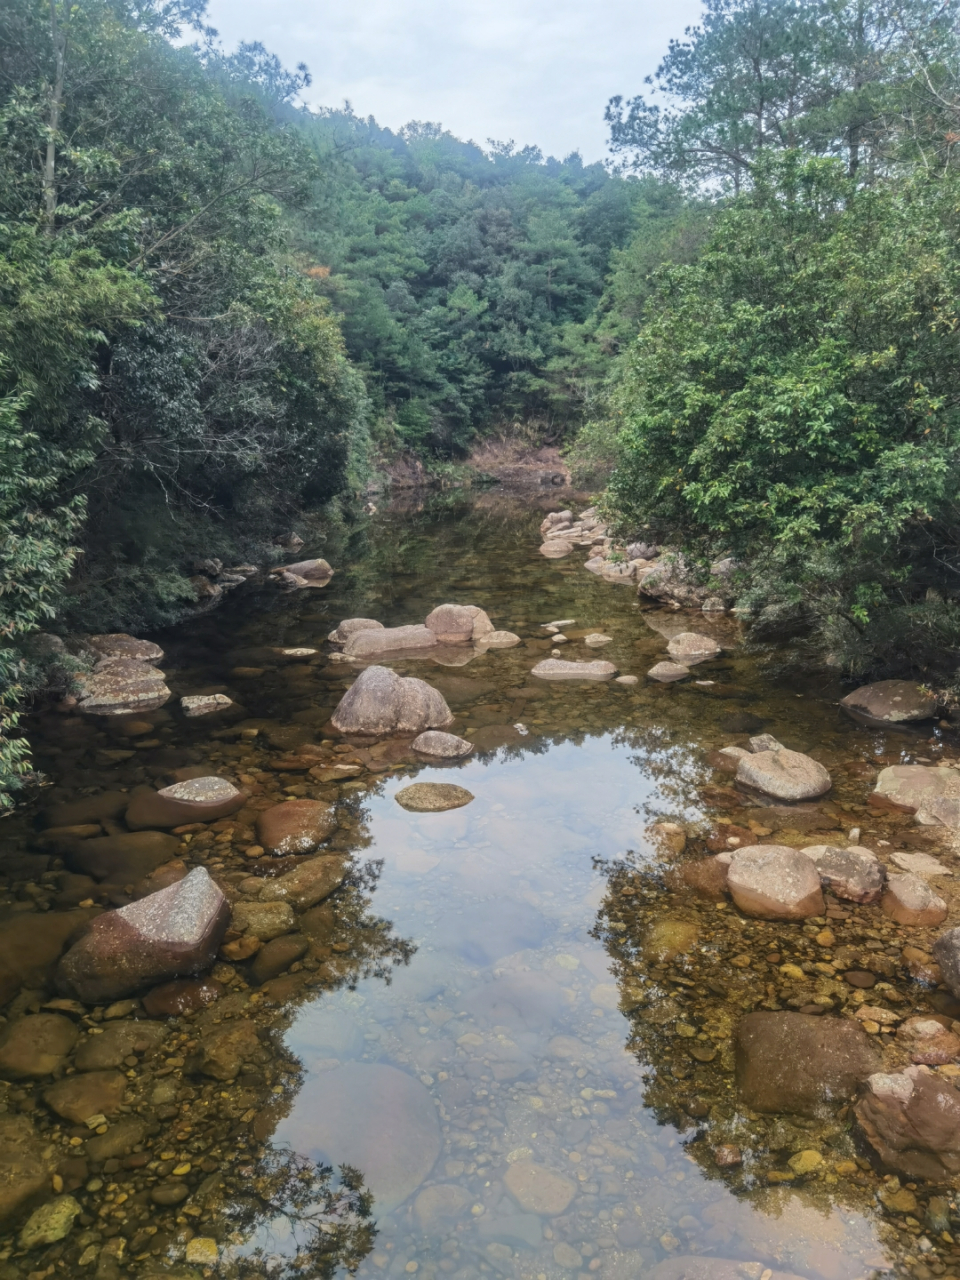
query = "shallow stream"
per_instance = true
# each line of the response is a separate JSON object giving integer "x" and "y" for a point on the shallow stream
{"x": 511, "y": 1024}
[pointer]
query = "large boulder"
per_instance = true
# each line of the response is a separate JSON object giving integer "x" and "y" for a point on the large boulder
{"x": 371, "y": 641}
{"x": 910, "y": 900}
{"x": 121, "y": 686}
{"x": 890, "y": 702}
{"x": 296, "y": 826}
{"x": 911, "y": 1119}
{"x": 458, "y": 623}
{"x": 797, "y": 1063}
{"x": 775, "y": 882}
{"x": 932, "y": 793}
{"x": 557, "y": 669}
{"x": 689, "y": 647}
{"x": 786, "y": 775}
{"x": 855, "y": 875}
{"x": 197, "y": 800}
{"x": 350, "y": 626}
{"x": 169, "y": 934}
{"x": 379, "y": 702}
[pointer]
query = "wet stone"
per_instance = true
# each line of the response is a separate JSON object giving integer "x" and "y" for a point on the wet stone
{"x": 932, "y": 794}
{"x": 369, "y": 643}
{"x": 265, "y": 920}
{"x": 91, "y": 1093}
{"x": 946, "y": 952}
{"x": 783, "y": 774}
{"x": 538, "y": 1189}
{"x": 854, "y": 875}
{"x": 910, "y": 900}
{"x": 342, "y": 633}
{"x": 278, "y": 955}
{"x": 912, "y": 1120}
{"x": 668, "y": 672}
{"x": 928, "y": 1041}
{"x": 124, "y": 858}
{"x": 297, "y": 826}
{"x": 204, "y": 704}
{"x": 169, "y": 934}
{"x": 196, "y": 800}
{"x": 689, "y": 648}
{"x": 48, "y": 1224}
{"x": 442, "y": 746}
{"x": 223, "y": 1050}
{"x": 794, "y": 1063}
{"x": 119, "y": 1140}
{"x": 121, "y": 686}
{"x": 890, "y": 702}
{"x": 558, "y": 669}
{"x": 775, "y": 882}
{"x": 36, "y": 1046}
{"x": 437, "y": 1208}
{"x": 117, "y": 1042}
{"x": 381, "y": 702}
{"x": 308, "y": 884}
{"x": 432, "y": 797}
{"x": 25, "y": 1167}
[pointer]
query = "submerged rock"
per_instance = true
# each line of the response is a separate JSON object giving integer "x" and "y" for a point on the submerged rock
{"x": 932, "y": 793}
{"x": 557, "y": 669}
{"x": 443, "y": 746}
{"x": 370, "y": 641}
{"x": 309, "y": 883}
{"x": 183, "y": 995}
{"x": 890, "y": 702}
{"x": 946, "y": 952}
{"x": 855, "y": 875}
{"x": 380, "y": 702}
{"x": 167, "y": 935}
{"x": 53, "y": 1221}
{"x": 196, "y": 800}
{"x": 538, "y": 1189}
{"x": 92, "y": 1093}
{"x": 498, "y": 640}
{"x": 26, "y": 1163}
{"x": 556, "y": 549}
{"x": 700, "y": 1268}
{"x": 796, "y": 1063}
{"x": 120, "y": 645}
{"x": 265, "y": 920}
{"x": 783, "y": 774}
{"x": 204, "y": 704}
{"x": 311, "y": 573}
{"x": 928, "y": 1041}
{"x": 374, "y": 1117}
{"x": 124, "y": 858}
{"x": 910, "y": 900}
{"x": 36, "y": 1046}
{"x": 775, "y": 882}
{"x": 296, "y": 826}
{"x": 118, "y": 1041}
{"x": 432, "y": 797}
{"x": 912, "y": 1120}
{"x": 689, "y": 648}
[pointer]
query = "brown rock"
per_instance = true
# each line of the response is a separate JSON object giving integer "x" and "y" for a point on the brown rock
{"x": 224, "y": 1049}
{"x": 706, "y": 877}
{"x": 797, "y": 1063}
{"x": 94, "y": 1093}
{"x": 120, "y": 686}
{"x": 184, "y": 995}
{"x": 912, "y": 1121}
{"x": 31, "y": 945}
{"x": 119, "y": 1140}
{"x": 557, "y": 669}
{"x": 929, "y": 1041}
{"x": 297, "y": 826}
{"x": 910, "y": 900}
{"x": 538, "y": 1189}
{"x": 309, "y": 883}
{"x": 380, "y": 702}
{"x": 118, "y": 1041}
{"x": 170, "y": 1193}
{"x": 852, "y": 874}
{"x": 169, "y": 934}
{"x": 197, "y": 800}
{"x": 432, "y": 797}
{"x": 121, "y": 645}
{"x": 162, "y": 878}
{"x": 311, "y": 570}
{"x": 441, "y": 746}
{"x": 276, "y": 956}
{"x": 931, "y": 793}
{"x": 108, "y": 804}
{"x": 370, "y": 642}
{"x": 24, "y": 1168}
{"x": 124, "y": 858}
{"x": 437, "y": 1208}
{"x": 775, "y": 882}
{"x": 946, "y": 952}
{"x": 342, "y": 633}
{"x": 890, "y": 702}
{"x": 36, "y": 1046}
{"x": 265, "y": 920}
{"x": 238, "y": 949}
{"x": 458, "y": 623}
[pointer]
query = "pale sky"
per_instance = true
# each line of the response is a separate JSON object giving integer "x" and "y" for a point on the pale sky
{"x": 537, "y": 71}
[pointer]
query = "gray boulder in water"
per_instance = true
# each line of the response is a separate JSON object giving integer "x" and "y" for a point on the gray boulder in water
{"x": 379, "y": 702}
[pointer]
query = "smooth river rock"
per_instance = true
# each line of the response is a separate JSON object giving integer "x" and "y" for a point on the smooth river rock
{"x": 432, "y": 797}
{"x": 458, "y": 623}
{"x": 296, "y": 826}
{"x": 538, "y": 1189}
{"x": 855, "y": 875}
{"x": 121, "y": 859}
{"x": 117, "y": 1041}
{"x": 668, "y": 672}
{"x": 36, "y": 1046}
{"x": 350, "y": 626}
{"x": 265, "y": 920}
{"x": 120, "y": 645}
{"x": 796, "y": 1063}
{"x": 690, "y": 648}
{"x": 932, "y": 793}
{"x": 26, "y": 1163}
{"x": 308, "y": 884}
{"x": 498, "y": 640}
{"x": 169, "y": 934}
{"x": 53, "y": 1221}
{"x": 442, "y": 746}
{"x": 196, "y": 800}
{"x": 204, "y": 704}
{"x": 121, "y": 686}
{"x": 556, "y": 549}
{"x": 786, "y": 775}
{"x": 91, "y": 1093}
{"x": 910, "y": 900}
{"x": 890, "y": 702}
{"x": 912, "y": 1120}
{"x": 946, "y": 952}
{"x": 313, "y": 572}
{"x": 371, "y": 1116}
{"x": 559, "y": 669}
{"x": 775, "y": 882}
{"x": 380, "y": 702}
{"x": 370, "y": 641}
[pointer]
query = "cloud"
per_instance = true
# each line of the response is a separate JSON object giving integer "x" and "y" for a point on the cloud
{"x": 537, "y": 71}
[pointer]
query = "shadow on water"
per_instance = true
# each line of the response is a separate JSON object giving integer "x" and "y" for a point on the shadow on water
{"x": 505, "y": 1045}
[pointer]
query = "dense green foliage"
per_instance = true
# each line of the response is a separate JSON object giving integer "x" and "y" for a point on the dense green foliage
{"x": 791, "y": 396}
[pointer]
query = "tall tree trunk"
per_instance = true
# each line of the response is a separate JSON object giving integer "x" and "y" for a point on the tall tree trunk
{"x": 58, "y": 40}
